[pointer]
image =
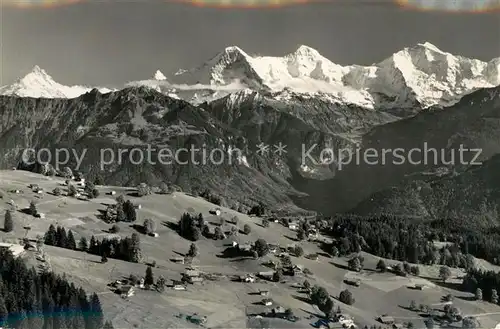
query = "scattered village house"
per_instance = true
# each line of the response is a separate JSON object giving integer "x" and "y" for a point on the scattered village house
{"x": 126, "y": 291}
{"x": 179, "y": 260}
{"x": 247, "y": 247}
{"x": 15, "y": 249}
{"x": 386, "y": 319}
{"x": 179, "y": 287}
{"x": 247, "y": 278}
{"x": 193, "y": 276}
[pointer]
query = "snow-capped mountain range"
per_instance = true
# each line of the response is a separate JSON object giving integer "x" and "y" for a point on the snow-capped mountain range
{"x": 422, "y": 74}
{"x": 38, "y": 84}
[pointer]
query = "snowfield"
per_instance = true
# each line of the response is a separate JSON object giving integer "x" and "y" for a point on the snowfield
{"x": 420, "y": 75}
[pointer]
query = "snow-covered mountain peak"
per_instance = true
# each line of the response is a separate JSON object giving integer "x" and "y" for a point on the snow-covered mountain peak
{"x": 159, "y": 76}
{"x": 39, "y": 83}
{"x": 306, "y": 51}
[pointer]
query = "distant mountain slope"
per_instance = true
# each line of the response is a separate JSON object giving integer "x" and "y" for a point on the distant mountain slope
{"x": 38, "y": 83}
{"x": 474, "y": 193}
{"x": 473, "y": 122}
{"x": 422, "y": 74}
{"x": 135, "y": 118}
{"x": 413, "y": 78}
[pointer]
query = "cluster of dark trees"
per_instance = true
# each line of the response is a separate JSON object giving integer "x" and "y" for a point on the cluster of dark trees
{"x": 60, "y": 238}
{"x": 127, "y": 249}
{"x": 211, "y": 197}
{"x": 191, "y": 227}
{"x": 44, "y": 300}
{"x": 402, "y": 239}
{"x": 484, "y": 284}
{"x": 123, "y": 211}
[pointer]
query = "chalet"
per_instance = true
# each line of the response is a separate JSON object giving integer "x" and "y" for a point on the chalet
{"x": 397, "y": 326}
{"x": 247, "y": 247}
{"x": 137, "y": 206}
{"x": 192, "y": 273}
{"x": 195, "y": 279}
{"x": 312, "y": 256}
{"x": 112, "y": 193}
{"x": 178, "y": 260}
{"x": 141, "y": 283}
{"x": 154, "y": 234}
{"x": 420, "y": 286}
{"x": 179, "y": 287}
{"x": 278, "y": 311}
{"x": 385, "y": 319}
{"x": 126, "y": 291}
{"x": 268, "y": 274}
{"x": 234, "y": 243}
{"x": 196, "y": 319}
{"x": 292, "y": 226}
{"x": 264, "y": 293}
{"x": 40, "y": 215}
{"x": 273, "y": 249}
{"x": 267, "y": 302}
{"x": 247, "y": 279}
{"x": 353, "y": 282}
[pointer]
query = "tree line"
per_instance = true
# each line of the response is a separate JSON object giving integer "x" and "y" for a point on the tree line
{"x": 30, "y": 300}
{"x": 127, "y": 249}
{"x": 413, "y": 240}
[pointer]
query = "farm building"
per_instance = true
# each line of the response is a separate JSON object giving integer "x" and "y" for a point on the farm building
{"x": 420, "y": 286}
{"x": 195, "y": 279}
{"x": 292, "y": 226}
{"x": 353, "y": 282}
{"x": 245, "y": 247}
{"x": 15, "y": 249}
{"x": 267, "y": 302}
{"x": 268, "y": 274}
{"x": 192, "y": 273}
{"x": 196, "y": 319}
{"x": 178, "y": 260}
{"x": 264, "y": 293}
{"x": 126, "y": 291}
{"x": 386, "y": 319}
{"x": 278, "y": 311}
{"x": 247, "y": 278}
{"x": 179, "y": 287}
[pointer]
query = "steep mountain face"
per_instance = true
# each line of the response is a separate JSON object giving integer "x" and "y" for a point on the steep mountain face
{"x": 422, "y": 75}
{"x": 38, "y": 83}
{"x": 473, "y": 123}
{"x": 297, "y": 122}
{"x": 141, "y": 118}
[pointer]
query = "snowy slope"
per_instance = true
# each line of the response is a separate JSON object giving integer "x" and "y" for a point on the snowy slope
{"x": 421, "y": 74}
{"x": 38, "y": 83}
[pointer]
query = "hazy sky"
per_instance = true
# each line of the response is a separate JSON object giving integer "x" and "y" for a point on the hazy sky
{"x": 114, "y": 42}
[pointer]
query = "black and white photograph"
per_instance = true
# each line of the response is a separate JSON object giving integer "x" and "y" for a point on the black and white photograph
{"x": 260, "y": 164}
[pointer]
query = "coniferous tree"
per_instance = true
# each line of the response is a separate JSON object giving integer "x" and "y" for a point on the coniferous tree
{"x": 51, "y": 236}
{"x": 96, "y": 314}
{"x": 83, "y": 245}
{"x": 71, "y": 241}
{"x": 3, "y": 312}
{"x": 149, "y": 279}
{"x": 8, "y": 224}
{"x": 33, "y": 209}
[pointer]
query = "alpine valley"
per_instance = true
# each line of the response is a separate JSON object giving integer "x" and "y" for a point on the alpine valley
{"x": 303, "y": 100}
